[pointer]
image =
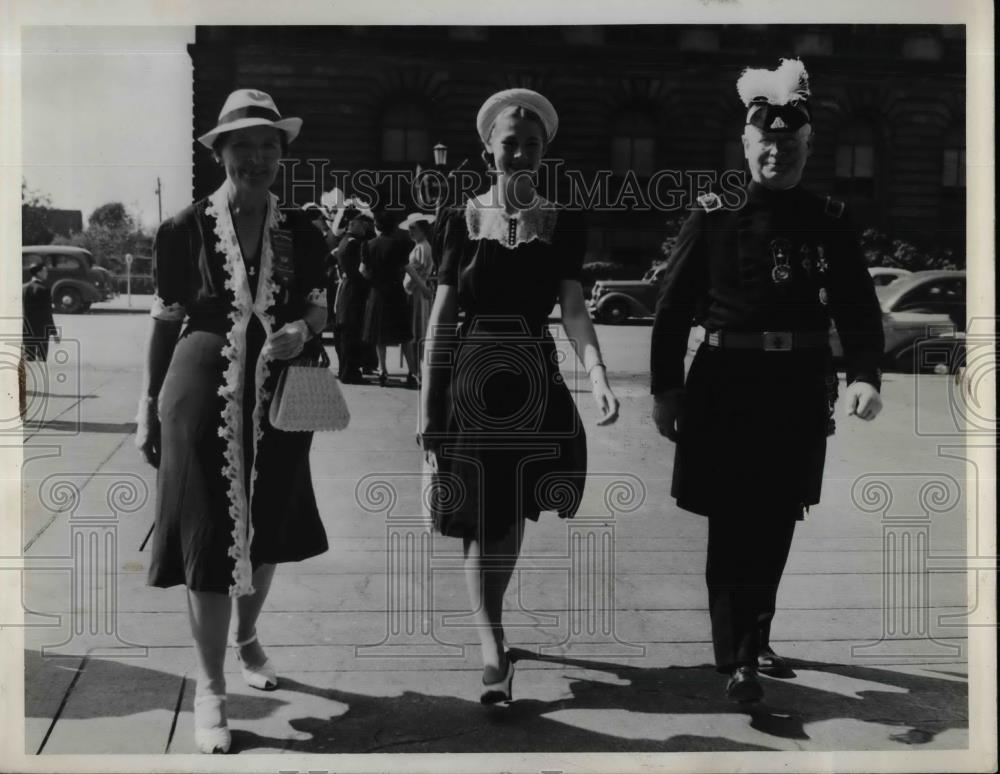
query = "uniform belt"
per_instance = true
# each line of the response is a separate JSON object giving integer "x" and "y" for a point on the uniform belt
{"x": 767, "y": 341}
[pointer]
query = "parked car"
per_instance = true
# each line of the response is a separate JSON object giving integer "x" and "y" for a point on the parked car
{"x": 886, "y": 275}
{"x": 73, "y": 279}
{"x": 926, "y": 305}
{"x": 615, "y": 301}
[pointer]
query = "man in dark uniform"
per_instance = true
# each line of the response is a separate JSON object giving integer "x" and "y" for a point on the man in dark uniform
{"x": 38, "y": 322}
{"x": 764, "y": 278}
{"x": 350, "y": 307}
{"x": 37, "y": 326}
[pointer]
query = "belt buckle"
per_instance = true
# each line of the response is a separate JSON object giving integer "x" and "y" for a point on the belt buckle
{"x": 777, "y": 341}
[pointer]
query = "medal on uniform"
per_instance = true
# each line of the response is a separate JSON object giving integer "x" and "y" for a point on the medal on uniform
{"x": 782, "y": 272}
{"x": 821, "y": 263}
{"x": 824, "y": 299}
{"x": 806, "y": 252}
{"x": 283, "y": 265}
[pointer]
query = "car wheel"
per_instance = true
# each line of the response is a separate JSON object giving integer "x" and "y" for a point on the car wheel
{"x": 68, "y": 301}
{"x": 615, "y": 312}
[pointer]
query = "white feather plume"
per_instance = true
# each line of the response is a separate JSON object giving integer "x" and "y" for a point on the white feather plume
{"x": 789, "y": 82}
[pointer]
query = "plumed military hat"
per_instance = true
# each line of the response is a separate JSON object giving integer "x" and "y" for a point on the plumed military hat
{"x": 776, "y": 100}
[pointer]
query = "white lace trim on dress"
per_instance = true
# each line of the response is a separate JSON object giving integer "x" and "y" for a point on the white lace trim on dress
{"x": 235, "y": 352}
{"x": 160, "y": 310}
{"x": 486, "y": 220}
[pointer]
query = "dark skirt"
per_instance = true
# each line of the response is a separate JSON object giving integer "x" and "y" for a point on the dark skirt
{"x": 193, "y": 526}
{"x": 753, "y": 432}
{"x": 387, "y": 317}
{"x": 515, "y": 444}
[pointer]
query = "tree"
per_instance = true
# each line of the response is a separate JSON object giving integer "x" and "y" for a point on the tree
{"x": 34, "y": 228}
{"x": 112, "y": 216}
{"x": 928, "y": 253}
{"x": 111, "y": 232}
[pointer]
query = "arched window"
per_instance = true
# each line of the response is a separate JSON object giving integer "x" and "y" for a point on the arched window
{"x": 633, "y": 144}
{"x": 405, "y": 135}
{"x": 854, "y": 162}
{"x": 953, "y": 159}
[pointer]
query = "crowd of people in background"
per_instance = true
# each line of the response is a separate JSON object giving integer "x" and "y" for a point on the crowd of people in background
{"x": 381, "y": 274}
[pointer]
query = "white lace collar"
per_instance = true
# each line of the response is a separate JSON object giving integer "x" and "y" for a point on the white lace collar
{"x": 486, "y": 220}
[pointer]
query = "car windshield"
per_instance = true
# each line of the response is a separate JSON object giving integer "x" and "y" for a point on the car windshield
{"x": 884, "y": 293}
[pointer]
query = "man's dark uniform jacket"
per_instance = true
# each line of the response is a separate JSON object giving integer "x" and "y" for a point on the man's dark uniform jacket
{"x": 755, "y": 420}
{"x": 37, "y": 316}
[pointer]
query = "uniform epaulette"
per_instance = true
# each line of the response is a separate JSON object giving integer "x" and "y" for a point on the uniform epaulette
{"x": 710, "y": 201}
{"x": 833, "y": 207}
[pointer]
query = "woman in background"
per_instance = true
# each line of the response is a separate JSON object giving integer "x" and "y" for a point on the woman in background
{"x": 420, "y": 281}
{"x": 387, "y": 321}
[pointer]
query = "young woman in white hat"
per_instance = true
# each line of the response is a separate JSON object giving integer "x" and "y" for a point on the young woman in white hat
{"x": 234, "y": 495}
{"x": 498, "y": 421}
{"x": 419, "y": 281}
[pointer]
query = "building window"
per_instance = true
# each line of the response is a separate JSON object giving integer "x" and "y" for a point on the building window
{"x": 925, "y": 48}
{"x": 405, "y": 137}
{"x": 813, "y": 44}
{"x": 698, "y": 39}
{"x": 854, "y": 162}
{"x": 953, "y": 160}
{"x": 633, "y": 145}
{"x": 468, "y": 33}
{"x": 953, "y": 174}
{"x": 584, "y": 35}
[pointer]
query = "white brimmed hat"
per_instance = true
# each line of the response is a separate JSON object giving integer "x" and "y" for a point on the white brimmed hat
{"x": 413, "y": 217}
{"x": 250, "y": 107}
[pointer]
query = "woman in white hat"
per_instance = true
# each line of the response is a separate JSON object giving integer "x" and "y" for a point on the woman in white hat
{"x": 498, "y": 421}
{"x": 419, "y": 282}
{"x": 234, "y": 495}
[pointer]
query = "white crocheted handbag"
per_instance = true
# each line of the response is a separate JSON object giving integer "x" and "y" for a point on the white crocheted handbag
{"x": 308, "y": 397}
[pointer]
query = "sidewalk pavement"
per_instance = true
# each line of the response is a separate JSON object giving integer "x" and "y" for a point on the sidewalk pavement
{"x": 372, "y": 640}
{"x": 134, "y": 304}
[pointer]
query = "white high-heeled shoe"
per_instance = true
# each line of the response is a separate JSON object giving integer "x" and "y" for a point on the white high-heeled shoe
{"x": 263, "y": 677}
{"x": 500, "y": 691}
{"x": 209, "y": 736}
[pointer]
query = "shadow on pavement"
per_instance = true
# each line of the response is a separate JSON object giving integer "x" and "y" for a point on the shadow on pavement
{"x": 643, "y": 703}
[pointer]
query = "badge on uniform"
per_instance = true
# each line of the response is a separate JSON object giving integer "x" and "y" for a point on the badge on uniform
{"x": 283, "y": 264}
{"x": 824, "y": 299}
{"x": 821, "y": 263}
{"x": 780, "y": 254}
{"x": 806, "y": 252}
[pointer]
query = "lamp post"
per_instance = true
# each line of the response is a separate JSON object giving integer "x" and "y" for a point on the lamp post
{"x": 440, "y": 155}
{"x": 128, "y": 277}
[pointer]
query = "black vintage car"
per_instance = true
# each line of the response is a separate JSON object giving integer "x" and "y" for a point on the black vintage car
{"x": 73, "y": 279}
{"x": 615, "y": 301}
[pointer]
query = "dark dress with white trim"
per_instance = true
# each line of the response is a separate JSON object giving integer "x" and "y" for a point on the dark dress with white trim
{"x": 515, "y": 444}
{"x": 219, "y": 452}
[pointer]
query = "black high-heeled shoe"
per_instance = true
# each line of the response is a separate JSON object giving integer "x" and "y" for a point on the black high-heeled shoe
{"x": 383, "y": 378}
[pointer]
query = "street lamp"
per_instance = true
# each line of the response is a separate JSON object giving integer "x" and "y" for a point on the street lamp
{"x": 440, "y": 154}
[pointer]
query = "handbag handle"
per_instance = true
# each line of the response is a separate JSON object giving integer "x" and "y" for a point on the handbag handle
{"x": 317, "y": 357}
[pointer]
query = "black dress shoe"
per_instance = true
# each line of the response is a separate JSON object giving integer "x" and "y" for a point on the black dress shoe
{"x": 770, "y": 663}
{"x": 743, "y": 686}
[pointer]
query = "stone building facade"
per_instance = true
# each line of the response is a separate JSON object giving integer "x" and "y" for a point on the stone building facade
{"x": 634, "y": 101}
